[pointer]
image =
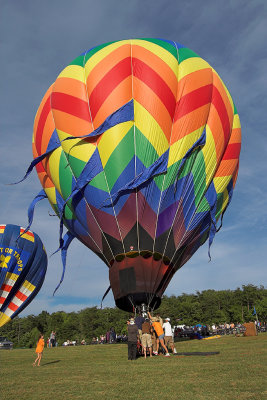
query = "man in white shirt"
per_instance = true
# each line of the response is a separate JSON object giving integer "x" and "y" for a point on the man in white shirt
{"x": 168, "y": 339}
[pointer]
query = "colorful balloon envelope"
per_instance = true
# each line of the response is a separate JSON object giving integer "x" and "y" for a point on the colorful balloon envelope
{"x": 23, "y": 264}
{"x": 137, "y": 144}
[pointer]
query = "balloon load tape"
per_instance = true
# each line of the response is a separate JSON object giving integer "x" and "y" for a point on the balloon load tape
{"x": 132, "y": 154}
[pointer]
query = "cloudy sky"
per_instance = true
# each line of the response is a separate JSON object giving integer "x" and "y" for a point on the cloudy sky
{"x": 38, "y": 39}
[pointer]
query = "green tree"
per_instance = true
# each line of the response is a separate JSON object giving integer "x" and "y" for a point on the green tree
{"x": 208, "y": 306}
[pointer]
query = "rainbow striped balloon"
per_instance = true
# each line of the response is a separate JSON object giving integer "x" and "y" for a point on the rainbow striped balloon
{"x": 138, "y": 145}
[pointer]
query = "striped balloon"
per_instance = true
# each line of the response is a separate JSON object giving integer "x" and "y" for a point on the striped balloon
{"x": 23, "y": 264}
{"x": 139, "y": 143}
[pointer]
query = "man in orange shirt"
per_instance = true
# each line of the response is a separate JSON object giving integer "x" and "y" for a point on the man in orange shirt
{"x": 159, "y": 332}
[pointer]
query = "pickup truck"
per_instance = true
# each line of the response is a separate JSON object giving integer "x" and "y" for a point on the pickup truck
{"x": 5, "y": 343}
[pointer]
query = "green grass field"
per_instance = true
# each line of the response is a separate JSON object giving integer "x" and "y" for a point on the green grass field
{"x": 103, "y": 372}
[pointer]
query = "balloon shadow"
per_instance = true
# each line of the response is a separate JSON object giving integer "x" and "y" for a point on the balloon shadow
{"x": 198, "y": 353}
{"x": 51, "y": 362}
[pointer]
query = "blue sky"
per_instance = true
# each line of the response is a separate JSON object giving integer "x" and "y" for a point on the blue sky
{"x": 38, "y": 39}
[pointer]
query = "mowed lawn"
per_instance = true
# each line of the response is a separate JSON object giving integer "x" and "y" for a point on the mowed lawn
{"x": 103, "y": 372}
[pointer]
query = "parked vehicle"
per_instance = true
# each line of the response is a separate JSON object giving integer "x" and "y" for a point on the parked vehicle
{"x": 5, "y": 343}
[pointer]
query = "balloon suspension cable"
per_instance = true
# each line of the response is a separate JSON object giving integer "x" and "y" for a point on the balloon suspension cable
{"x": 131, "y": 301}
{"x": 151, "y": 297}
{"x": 106, "y": 292}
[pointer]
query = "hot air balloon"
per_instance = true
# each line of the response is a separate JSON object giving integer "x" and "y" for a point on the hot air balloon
{"x": 23, "y": 264}
{"x": 136, "y": 145}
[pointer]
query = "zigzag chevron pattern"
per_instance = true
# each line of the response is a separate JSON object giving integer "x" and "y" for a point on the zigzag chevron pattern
{"x": 178, "y": 100}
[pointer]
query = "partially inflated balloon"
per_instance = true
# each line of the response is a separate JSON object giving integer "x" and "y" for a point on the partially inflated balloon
{"x": 138, "y": 144}
{"x": 23, "y": 264}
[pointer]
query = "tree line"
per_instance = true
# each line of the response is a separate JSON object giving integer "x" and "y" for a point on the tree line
{"x": 206, "y": 307}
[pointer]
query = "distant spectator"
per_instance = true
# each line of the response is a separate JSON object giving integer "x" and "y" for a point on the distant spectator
{"x": 53, "y": 339}
{"x": 112, "y": 335}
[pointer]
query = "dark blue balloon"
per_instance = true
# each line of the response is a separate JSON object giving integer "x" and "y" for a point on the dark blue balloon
{"x": 23, "y": 265}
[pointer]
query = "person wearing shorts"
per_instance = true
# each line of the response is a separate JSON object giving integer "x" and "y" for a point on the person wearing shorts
{"x": 146, "y": 337}
{"x": 168, "y": 339}
{"x": 159, "y": 332}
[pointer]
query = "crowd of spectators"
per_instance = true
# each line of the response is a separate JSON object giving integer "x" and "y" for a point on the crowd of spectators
{"x": 52, "y": 340}
{"x": 180, "y": 331}
{"x": 171, "y": 334}
{"x": 110, "y": 337}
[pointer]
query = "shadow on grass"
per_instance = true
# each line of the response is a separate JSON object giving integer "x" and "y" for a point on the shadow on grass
{"x": 51, "y": 362}
{"x": 198, "y": 353}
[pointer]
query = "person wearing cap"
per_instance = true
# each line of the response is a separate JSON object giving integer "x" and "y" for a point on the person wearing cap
{"x": 160, "y": 333}
{"x": 132, "y": 339}
{"x": 146, "y": 337}
{"x": 159, "y": 319}
{"x": 168, "y": 338}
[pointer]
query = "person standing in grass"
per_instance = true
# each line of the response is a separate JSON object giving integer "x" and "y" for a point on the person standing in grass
{"x": 146, "y": 337}
{"x": 168, "y": 338}
{"x": 53, "y": 339}
{"x": 156, "y": 323}
{"x": 39, "y": 350}
{"x": 132, "y": 339}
